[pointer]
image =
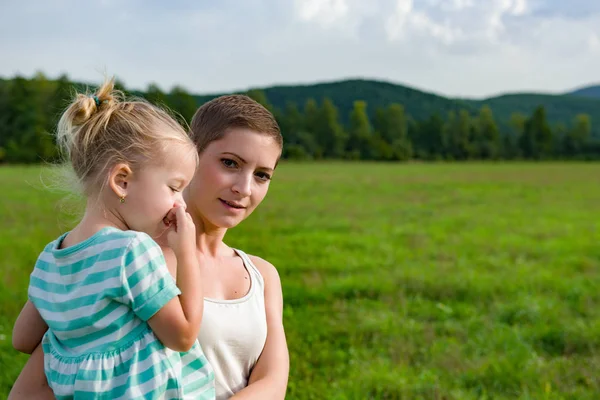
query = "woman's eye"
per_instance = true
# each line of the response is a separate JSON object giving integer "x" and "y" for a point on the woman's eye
{"x": 229, "y": 163}
{"x": 263, "y": 176}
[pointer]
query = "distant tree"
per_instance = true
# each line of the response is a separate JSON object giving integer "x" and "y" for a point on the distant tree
{"x": 42, "y": 140}
{"x": 391, "y": 139}
{"x": 536, "y": 141}
{"x": 120, "y": 85}
{"x": 429, "y": 138}
{"x": 559, "y": 135}
{"x": 155, "y": 95}
{"x": 22, "y": 123}
{"x": 510, "y": 139}
{"x": 487, "y": 137}
{"x": 291, "y": 124}
{"x": 380, "y": 149}
{"x": 330, "y": 134}
{"x": 458, "y": 131}
{"x": 311, "y": 116}
{"x": 311, "y": 127}
{"x": 578, "y": 136}
{"x": 360, "y": 132}
{"x": 260, "y": 97}
{"x": 307, "y": 142}
{"x": 4, "y": 119}
{"x": 183, "y": 103}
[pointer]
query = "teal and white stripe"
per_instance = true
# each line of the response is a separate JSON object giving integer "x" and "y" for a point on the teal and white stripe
{"x": 96, "y": 297}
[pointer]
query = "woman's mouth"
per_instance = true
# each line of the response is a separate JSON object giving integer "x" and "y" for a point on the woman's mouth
{"x": 232, "y": 205}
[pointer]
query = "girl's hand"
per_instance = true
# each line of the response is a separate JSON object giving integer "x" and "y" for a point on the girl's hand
{"x": 181, "y": 235}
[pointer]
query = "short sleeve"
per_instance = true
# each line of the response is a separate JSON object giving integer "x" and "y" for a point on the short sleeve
{"x": 146, "y": 280}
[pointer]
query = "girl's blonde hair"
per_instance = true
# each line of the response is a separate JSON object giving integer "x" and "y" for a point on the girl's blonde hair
{"x": 100, "y": 130}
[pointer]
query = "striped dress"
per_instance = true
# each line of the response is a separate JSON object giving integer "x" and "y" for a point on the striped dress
{"x": 96, "y": 297}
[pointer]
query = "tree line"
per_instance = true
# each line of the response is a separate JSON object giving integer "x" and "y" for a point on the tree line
{"x": 30, "y": 108}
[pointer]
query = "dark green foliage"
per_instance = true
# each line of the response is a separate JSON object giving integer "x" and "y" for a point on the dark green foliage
{"x": 353, "y": 119}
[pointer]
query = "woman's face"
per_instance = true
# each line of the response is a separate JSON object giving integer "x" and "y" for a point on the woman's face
{"x": 232, "y": 178}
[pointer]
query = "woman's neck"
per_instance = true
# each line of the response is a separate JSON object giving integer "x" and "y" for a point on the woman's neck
{"x": 209, "y": 238}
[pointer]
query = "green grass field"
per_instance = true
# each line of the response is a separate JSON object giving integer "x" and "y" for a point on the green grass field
{"x": 435, "y": 281}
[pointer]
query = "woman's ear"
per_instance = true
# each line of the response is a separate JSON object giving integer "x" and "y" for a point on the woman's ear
{"x": 119, "y": 179}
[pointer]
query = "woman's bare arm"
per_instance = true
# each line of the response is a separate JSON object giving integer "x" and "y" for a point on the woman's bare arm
{"x": 31, "y": 383}
{"x": 29, "y": 329}
{"x": 269, "y": 377}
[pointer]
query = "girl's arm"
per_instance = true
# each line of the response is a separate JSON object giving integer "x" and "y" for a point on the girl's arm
{"x": 31, "y": 383}
{"x": 269, "y": 377}
{"x": 177, "y": 323}
{"x": 29, "y": 329}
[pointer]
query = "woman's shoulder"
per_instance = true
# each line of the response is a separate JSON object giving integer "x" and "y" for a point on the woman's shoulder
{"x": 272, "y": 289}
{"x": 266, "y": 269}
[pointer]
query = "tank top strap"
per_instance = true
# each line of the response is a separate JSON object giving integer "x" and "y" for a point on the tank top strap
{"x": 251, "y": 267}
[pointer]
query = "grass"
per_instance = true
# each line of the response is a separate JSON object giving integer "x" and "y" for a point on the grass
{"x": 418, "y": 281}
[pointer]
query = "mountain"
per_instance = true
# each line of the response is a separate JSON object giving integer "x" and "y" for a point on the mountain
{"x": 560, "y": 109}
{"x": 420, "y": 104}
{"x": 589, "y": 91}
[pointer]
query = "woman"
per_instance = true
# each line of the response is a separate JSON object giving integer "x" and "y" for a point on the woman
{"x": 239, "y": 145}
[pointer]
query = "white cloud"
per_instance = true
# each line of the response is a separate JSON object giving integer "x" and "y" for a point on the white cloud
{"x": 594, "y": 42}
{"x": 405, "y": 22}
{"x": 455, "y": 47}
{"x": 325, "y": 12}
{"x": 464, "y": 23}
{"x": 514, "y": 7}
{"x": 444, "y": 32}
{"x": 462, "y": 4}
{"x": 519, "y": 7}
{"x": 400, "y": 18}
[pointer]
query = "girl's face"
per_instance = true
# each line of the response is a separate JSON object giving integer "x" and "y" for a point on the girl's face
{"x": 156, "y": 188}
{"x": 232, "y": 177}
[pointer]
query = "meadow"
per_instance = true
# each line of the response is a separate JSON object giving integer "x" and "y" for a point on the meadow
{"x": 401, "y": 281}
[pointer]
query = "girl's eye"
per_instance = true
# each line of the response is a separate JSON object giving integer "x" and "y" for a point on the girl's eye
{"x": 229, "y": 163}
{"x": 263, "y": 176}
{"x": 174, "y": 190}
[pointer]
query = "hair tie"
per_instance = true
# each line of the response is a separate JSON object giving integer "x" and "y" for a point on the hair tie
{"x": 97, "y": 100}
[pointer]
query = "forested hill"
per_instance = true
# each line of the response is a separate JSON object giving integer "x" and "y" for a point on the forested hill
{"x": 589, "y": 91}
{"x": 376, "y": 94}
{"x": 350, "y": 119}
{"x": 421, "y": 105}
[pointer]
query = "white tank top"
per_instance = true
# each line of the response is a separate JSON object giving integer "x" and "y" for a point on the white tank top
{"x": 233, "y": 334}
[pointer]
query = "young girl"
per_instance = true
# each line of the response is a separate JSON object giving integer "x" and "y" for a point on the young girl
{"x": 119, "y": 326}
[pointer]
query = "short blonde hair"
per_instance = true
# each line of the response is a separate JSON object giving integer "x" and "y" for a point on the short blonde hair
{"x": 100, "y": 130}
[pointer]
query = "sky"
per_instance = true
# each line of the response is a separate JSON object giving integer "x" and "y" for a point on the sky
{"x": 456, "y": 48}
